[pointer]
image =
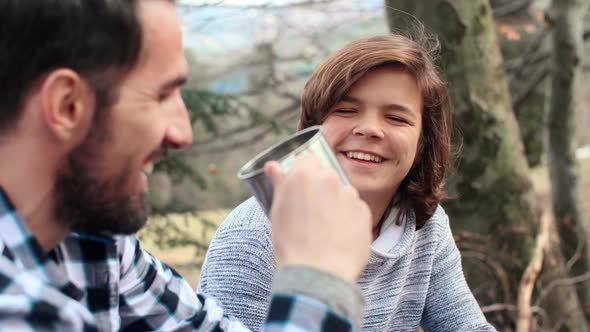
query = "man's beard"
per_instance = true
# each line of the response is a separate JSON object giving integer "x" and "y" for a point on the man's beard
{"x": 88, "y": 201}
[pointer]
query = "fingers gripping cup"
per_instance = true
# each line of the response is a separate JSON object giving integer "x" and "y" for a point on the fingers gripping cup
{"x": 285, "y": 152}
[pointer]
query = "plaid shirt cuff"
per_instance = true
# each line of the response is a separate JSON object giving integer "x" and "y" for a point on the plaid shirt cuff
{"x": 342, "y": 297}
{"x": 298, "y": 313}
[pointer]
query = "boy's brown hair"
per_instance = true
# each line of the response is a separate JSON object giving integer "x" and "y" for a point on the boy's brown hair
{"x": 423, "y": 188}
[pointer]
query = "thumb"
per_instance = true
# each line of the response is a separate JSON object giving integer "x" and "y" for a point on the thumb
{"x": 273, "y": 170}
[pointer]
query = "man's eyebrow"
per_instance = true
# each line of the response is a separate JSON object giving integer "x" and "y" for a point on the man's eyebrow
{"x": 175, "y": 82}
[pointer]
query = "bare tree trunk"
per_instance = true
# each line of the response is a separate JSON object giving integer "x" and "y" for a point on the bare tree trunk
{"x": 523, "y": 43}
{"x": 496, "y": 200}
{"x": 566, "y": 21}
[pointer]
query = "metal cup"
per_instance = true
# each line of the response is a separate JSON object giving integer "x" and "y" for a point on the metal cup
{"x": 307, "y": 140}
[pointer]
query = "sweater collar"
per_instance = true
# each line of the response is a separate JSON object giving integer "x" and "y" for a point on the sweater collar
{"x": 393, "y": 240}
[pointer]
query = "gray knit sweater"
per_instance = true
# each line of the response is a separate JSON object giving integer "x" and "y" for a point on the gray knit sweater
{"x": 418, "y": 282}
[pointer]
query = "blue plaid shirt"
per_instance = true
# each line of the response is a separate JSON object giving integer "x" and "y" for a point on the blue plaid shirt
{"x": 102, "y": 283}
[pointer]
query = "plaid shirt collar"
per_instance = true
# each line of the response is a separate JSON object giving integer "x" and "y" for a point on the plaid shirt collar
{"x": 20, "y": 246}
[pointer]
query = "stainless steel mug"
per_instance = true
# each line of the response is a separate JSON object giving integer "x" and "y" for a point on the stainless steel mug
{"x": 310, "y": 139}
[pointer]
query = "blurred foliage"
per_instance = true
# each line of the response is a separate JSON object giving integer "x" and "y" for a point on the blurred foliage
{"x": 207, "y": 109}
{"x": 179, "y": 231}
{"x": 164, "y": 231}
{"x": 205, "y": 106}
{"x": 209, "y": 113}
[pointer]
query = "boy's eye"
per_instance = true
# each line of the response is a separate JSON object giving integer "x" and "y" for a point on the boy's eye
{"x": 397, "y": 119}
{"x": 344, "y": 110}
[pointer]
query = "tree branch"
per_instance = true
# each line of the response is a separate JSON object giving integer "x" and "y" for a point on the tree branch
{"x": 527, "y": 283}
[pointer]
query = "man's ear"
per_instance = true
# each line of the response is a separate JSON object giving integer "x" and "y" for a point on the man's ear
{"x": 67, "y": 103}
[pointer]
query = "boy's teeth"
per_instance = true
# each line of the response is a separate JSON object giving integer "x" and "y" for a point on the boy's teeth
{"x": 363, "y": 156}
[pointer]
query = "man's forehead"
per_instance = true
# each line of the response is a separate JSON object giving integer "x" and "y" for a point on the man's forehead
{"x": 158, "y": 19}
{"x": 162, "y": 48}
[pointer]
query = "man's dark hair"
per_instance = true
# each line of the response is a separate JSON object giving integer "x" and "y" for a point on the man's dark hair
{"x": 99, "y": 39}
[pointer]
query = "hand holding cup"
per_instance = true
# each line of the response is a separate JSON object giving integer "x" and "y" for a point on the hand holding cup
{"x": 317, "y": 220}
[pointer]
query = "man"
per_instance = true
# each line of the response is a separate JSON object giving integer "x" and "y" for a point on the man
{"x": 89, "y": 102}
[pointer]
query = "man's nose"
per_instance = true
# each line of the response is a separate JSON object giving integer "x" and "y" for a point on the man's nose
{"x": 179, "y": 133}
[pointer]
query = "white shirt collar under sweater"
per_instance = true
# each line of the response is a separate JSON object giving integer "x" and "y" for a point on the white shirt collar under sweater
{"x": 390, "y": 234}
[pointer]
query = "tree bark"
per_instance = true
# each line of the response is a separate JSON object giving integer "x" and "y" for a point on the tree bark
{"x": 522, "y": 37}
{"x": 566, "y": 22}
{"x": 496, "y": 205}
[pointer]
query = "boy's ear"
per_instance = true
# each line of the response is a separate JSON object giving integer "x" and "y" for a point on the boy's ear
{"x": 67, "y": 103}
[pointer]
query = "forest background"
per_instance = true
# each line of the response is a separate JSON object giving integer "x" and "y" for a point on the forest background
{"x": 517, "y": 72}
